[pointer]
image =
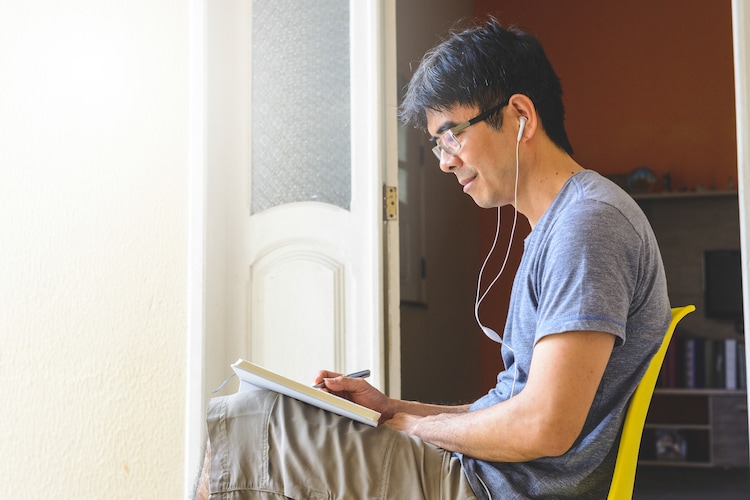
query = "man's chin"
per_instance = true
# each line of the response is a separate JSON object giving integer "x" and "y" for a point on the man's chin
{"x": 481, "y": 202}
{"x": 485, "y": 203}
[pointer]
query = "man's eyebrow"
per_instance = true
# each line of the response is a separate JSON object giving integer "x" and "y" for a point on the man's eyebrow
{"x": 445, "y": 126}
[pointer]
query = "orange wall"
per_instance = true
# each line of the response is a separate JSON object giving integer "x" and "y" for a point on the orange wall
{"x": 645, "y": 84}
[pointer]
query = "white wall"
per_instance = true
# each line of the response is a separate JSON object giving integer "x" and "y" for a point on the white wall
{"x": 93, "y": 256}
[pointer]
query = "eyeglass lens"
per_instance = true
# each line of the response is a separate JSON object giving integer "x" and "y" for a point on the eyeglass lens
{"x": 448, "y": 143}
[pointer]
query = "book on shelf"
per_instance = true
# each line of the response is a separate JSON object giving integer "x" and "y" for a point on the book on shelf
{"x": 701, "y": 363}
{"x": 669, "y": 372}
{"x": 741, "y": 366}
{"x": 253, "y": 376}
{"x": 731, "y": 375}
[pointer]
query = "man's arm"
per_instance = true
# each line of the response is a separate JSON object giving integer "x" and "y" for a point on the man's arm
{"x": 362, "y": 393}
{"x": 544, "y": 419}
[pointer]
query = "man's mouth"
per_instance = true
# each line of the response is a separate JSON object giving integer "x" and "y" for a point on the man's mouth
{"x": 466, "y": 182}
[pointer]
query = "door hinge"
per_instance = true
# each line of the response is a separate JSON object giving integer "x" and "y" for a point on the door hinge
{"x": 390, "y": 203}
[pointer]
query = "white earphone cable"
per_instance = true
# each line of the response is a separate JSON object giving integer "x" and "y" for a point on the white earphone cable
{"x": 478, "y": 300}
{"x": 480, "y": 296}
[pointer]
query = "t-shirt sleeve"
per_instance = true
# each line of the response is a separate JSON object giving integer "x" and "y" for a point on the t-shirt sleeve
{"x": 588, "y": 272}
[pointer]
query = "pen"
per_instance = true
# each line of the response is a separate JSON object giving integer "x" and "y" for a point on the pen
{"x": 360, "y": 374}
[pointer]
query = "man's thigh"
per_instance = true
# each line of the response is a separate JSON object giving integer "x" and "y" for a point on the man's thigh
{"x": 264, "y": 445}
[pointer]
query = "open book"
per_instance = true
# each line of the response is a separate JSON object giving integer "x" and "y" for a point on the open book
{"x": 251, "y": 374}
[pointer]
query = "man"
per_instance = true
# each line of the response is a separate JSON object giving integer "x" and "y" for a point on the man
{"x": 588, "y": 310}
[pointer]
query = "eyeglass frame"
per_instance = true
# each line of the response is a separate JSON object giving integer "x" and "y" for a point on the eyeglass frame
{"x": 451, "y": 132}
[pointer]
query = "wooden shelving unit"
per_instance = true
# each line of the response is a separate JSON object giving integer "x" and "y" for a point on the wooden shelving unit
{"x": 677, "y": 195}
{"x": 709, "y": 428}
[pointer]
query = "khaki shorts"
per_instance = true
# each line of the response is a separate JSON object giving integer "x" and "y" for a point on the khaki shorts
{"x": 265, "y": 445}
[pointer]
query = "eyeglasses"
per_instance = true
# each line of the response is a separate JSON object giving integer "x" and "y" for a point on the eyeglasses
{"x": 447, "y": 141}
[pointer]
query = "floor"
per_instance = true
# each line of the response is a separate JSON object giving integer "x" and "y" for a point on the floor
{"x": 665, "y": 483}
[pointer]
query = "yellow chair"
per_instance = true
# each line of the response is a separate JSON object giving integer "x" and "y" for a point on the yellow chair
{"x": 635, "y": 418}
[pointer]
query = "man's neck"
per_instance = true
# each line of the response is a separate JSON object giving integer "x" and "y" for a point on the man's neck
{"x": 544, "y": 177}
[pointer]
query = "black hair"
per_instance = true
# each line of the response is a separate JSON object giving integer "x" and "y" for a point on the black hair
{"x": 483, "y": 66}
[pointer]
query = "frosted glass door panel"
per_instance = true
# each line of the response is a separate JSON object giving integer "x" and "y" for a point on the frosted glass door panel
{"x": 301, "y": 125}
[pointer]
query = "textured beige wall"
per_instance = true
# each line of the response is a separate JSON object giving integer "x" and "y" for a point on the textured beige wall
{"x": 93, "y": 256}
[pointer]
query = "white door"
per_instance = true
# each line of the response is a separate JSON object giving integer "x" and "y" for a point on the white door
{"x": 300, "y": 142}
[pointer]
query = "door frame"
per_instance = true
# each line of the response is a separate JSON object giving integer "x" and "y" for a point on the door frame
{"x": 195, "y": 401}
{"x": 741, "y": 39}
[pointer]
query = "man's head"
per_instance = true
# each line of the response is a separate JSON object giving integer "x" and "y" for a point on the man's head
{"x": 482, "y": 67}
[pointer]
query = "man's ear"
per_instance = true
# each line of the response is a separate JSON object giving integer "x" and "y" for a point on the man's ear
{"x": 521, "y": 106}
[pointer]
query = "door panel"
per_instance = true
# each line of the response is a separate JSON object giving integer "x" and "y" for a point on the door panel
{"x": 296, "y": 244}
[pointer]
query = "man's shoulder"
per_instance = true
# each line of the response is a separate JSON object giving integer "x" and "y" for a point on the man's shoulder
{"x": 591, "y": 200}
{"x": 589, "y": 185}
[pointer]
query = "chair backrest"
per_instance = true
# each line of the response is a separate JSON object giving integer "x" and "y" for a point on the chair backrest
{"x": 623, "y": 479}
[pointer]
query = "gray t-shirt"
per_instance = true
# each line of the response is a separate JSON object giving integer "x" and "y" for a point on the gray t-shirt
{"x": 591, "y": 263}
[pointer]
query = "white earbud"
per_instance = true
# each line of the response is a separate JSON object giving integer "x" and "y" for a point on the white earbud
{"x": 520, "y": 128}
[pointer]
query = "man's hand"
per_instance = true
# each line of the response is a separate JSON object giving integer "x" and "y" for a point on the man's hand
{"x": 356, "y": 390}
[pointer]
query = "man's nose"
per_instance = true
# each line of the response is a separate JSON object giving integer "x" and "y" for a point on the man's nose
{"x": 448, "y": 162}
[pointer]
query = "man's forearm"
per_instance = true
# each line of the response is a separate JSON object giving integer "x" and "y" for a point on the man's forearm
{"x": 423, "y": 409}
{"x": 473, "y": 435}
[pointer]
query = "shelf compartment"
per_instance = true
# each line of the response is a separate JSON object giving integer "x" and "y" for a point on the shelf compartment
{"x": 692, "y": 446}
{"x": 676, "y": 409}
